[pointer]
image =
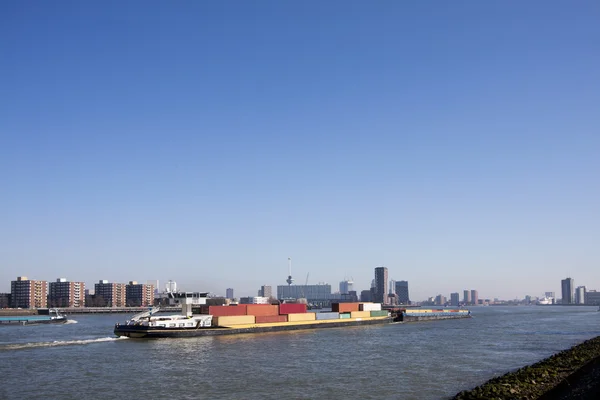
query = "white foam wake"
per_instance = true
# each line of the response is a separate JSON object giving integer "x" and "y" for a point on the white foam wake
{"x": 70, "y": 321}
{"x": 32, "y": 345}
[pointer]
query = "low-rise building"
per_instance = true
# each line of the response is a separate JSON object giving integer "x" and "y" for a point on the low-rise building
{"x": 139, "y": 294}
{"x": 63, "y": 293}
{"x": 110, "y": 294}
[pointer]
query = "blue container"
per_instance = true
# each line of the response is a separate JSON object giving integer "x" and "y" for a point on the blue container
{"x": 327, "y": 315}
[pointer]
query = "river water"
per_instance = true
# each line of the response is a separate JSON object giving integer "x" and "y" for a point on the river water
{"x": 424, "y": 360}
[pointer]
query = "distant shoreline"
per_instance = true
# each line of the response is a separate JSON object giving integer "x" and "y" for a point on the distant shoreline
{"x": 11, "y": 312}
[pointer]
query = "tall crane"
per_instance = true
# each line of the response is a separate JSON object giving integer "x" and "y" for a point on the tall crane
{"x": 303, "y": 288}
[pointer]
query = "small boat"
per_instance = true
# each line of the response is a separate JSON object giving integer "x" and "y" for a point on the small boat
{"x": 53, "y": 317}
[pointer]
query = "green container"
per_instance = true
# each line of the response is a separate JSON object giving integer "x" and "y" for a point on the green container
{"x": 379, "y": 313}
{"x": 345, "y": 315}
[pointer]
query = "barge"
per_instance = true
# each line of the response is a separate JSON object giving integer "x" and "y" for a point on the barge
{"x": 418, "y": 314}
{"x": 240, "y": 319}
{"x": 53, "y": 317}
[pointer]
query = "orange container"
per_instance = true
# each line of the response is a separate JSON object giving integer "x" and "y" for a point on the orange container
{"x": 262, "y": 310}
{"x": 344, "y": 307}
{"x": 222, "y": 311}
{"x": 266, "y": 319}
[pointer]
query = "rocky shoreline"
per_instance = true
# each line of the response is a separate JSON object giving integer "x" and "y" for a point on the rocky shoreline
{"x": 571, "y": 374}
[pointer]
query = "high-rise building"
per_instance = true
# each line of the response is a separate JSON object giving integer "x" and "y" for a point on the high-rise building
{"x": 381, "y": 277}
{"x": 550, "y": 295}
{"x": 365, "y": 296}
{"x": 111, "y": 294}
{"x": 454, "y": 299}
{"x": 346, "y": 286}
{"x": 265, "y": 291}
{"x": 474, "y": 297}
{"x": 392, "y": 288}
{"x": 25, "y": 293}
{"x": 567, "y": 289}
{"x": 580, "y": 295}
{"x": 440, "y": 300}
{"x": 466, "y": 297}
{"x": 64, "y": 293}
{"x": 229, "y": 293}
{"x": 402, "y": 292}
{"x": 139, "y": 295}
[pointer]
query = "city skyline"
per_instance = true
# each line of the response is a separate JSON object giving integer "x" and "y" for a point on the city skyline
{"x": 465, "y": 296}
{"x": 455, "y": 145}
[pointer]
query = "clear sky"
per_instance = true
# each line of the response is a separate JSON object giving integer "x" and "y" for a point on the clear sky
{"x": 456, "y": 143}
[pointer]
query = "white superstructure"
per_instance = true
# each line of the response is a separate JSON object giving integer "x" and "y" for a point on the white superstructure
{"x": 545, "y": 301}
{"x": 184, "y": 320}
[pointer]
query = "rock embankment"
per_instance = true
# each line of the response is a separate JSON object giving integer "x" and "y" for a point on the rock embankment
{"x": 570, "y": 374}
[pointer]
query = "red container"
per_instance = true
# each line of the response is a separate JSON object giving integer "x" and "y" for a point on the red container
{"x": 266, "y": 319}
{"x": 226, "y": 311}
{"x": 344, "y": 307}
{"x": 292, "y": 308}
{"x": 261, "y": 310}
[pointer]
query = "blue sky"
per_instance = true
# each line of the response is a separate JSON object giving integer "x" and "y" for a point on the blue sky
{"x": 456, "y": 143}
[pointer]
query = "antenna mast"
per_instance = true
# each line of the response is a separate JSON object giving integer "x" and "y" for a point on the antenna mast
{"x": 290, "y": 280}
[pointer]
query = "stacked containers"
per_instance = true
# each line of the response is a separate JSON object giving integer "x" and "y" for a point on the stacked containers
{"x": 345, "y": 315}
{"x": 344, "y": 307}
{"x": 327, "y": 315}
{"x": 301, "y": 317}
{"x": 292, "y": 308}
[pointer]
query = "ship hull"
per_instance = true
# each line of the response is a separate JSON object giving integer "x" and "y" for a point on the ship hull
{"x": 23, "y": 321}
{"x": 137, "y": 332}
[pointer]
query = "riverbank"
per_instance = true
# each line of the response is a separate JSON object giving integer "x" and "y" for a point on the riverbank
{"x": 572, "y": 373}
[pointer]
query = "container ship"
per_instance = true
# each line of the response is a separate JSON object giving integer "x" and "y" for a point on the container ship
{"x": 199, "y": 319}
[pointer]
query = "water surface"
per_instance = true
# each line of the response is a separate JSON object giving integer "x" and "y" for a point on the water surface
{"x": 427, "y": 360}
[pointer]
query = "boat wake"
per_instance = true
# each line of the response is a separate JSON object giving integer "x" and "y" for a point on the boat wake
{"x": 71, "y": 321}
{"x": 33, "y": 345}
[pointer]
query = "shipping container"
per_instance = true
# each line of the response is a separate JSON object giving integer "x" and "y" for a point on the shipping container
{"x": 232, "y": 320}
{"x": 327, "y": 315}
{"x": 292, "y": 308}
{"x": 369, "y": 307}
{"x": 345, "y": 315}
{"x": 360, "y": 314}
{"x": 267, "y": 319}
{"x": 221, "y": 311}
{"x": 301, "y": 317}
{"x": 379, "y": 313}
{"x": 344, "y": 307}
{"x": 262, "y": 309}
